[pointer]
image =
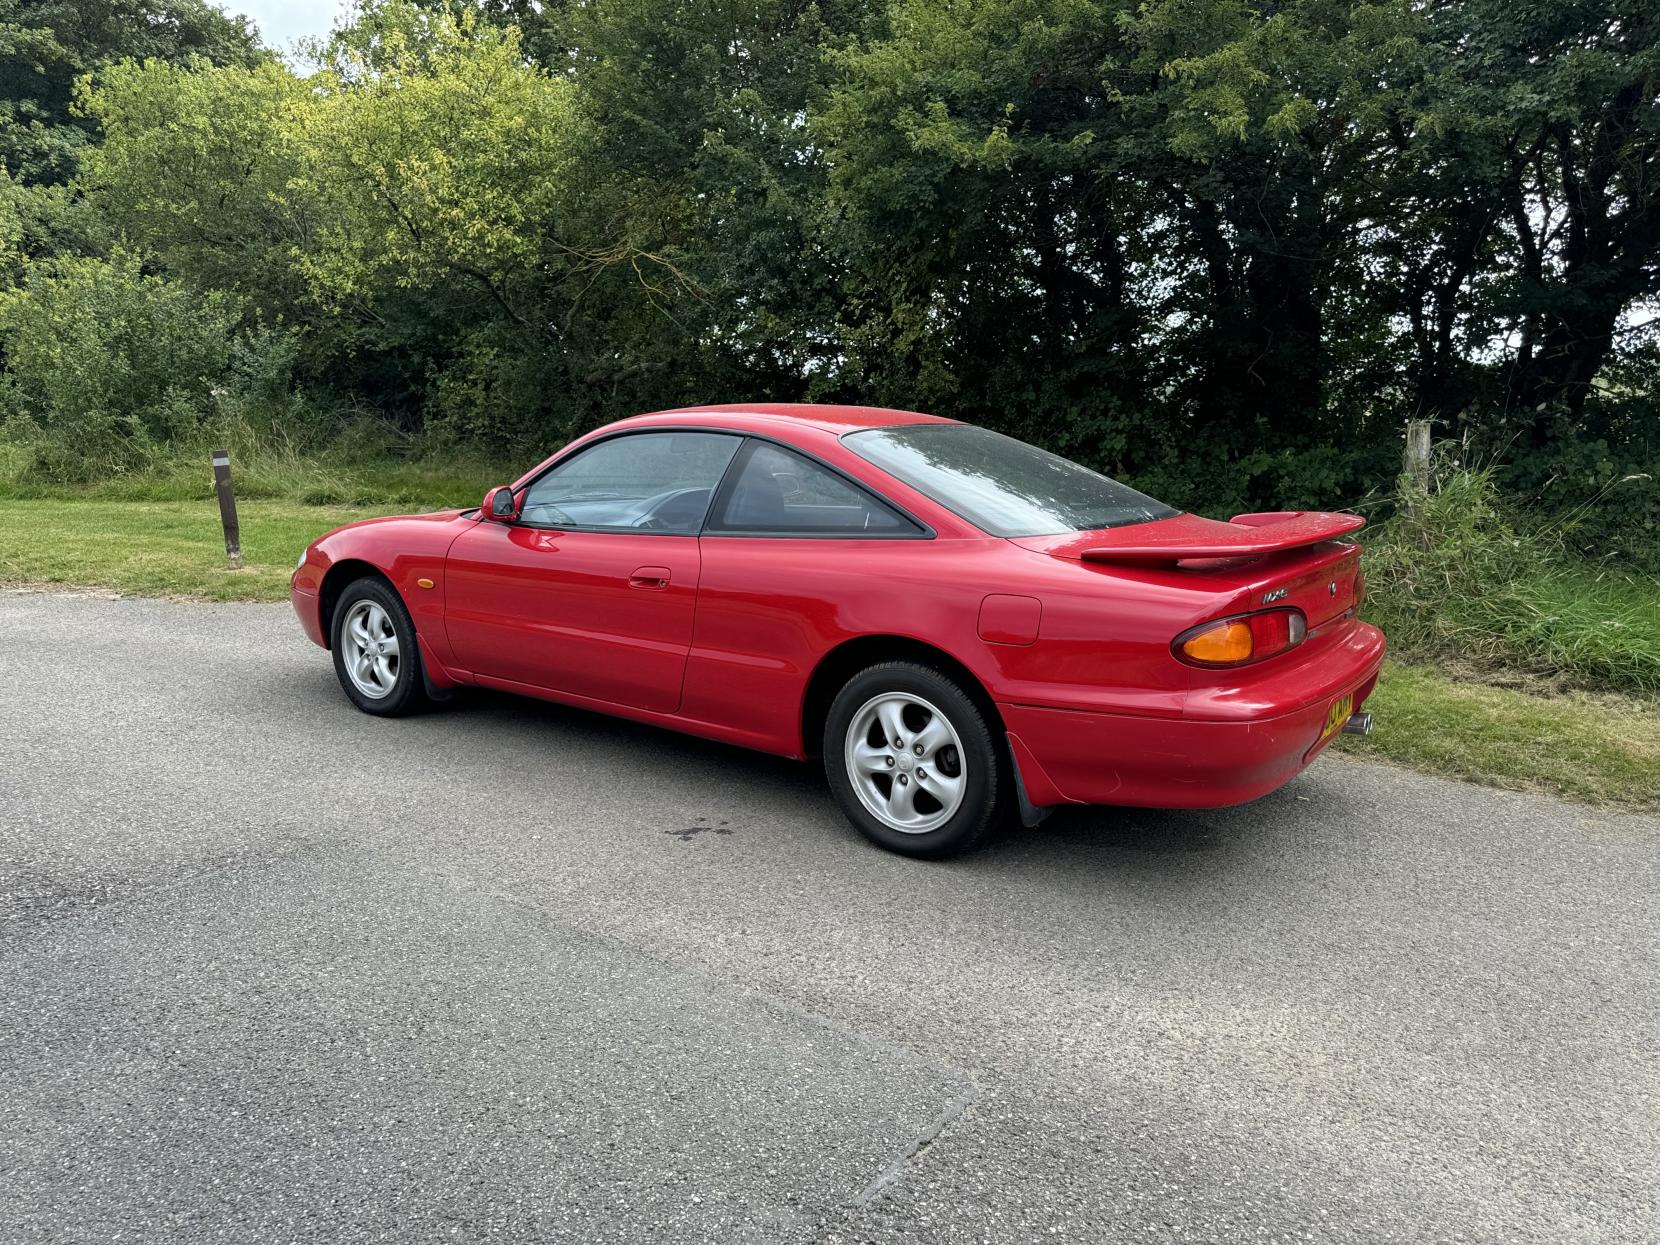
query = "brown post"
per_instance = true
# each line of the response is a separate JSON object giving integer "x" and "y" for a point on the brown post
{"x": 227, "y": 508}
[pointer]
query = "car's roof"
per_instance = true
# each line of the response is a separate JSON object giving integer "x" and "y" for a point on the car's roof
{"x": 833, "y": 419}
{"x": 807, "y": 425}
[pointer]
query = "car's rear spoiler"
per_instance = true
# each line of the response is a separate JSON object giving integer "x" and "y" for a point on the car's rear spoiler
{"x": 1191, "y": 537}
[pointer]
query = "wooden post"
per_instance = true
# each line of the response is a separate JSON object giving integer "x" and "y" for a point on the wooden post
{"x": 1416, "y": 465}
{"x": 227, "y": 508}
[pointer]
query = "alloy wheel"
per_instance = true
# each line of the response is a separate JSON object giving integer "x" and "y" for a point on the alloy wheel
{"x": 371, "y": 653}
{"x": 905, "y": 761}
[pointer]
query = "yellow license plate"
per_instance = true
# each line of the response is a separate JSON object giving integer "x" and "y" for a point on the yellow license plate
{"x": 1342, "y": 709}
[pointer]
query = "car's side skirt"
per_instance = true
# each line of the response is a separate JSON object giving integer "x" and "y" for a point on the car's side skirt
{"x": 718, "y": 731}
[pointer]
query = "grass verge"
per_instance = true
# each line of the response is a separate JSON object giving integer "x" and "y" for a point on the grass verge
{"x": 269, "y": 473}
{"x": 1599, "y": 748}
{"x": 160, "y": 548}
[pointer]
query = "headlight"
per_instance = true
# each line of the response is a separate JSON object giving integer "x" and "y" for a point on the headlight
{"x": 301, "y": 562}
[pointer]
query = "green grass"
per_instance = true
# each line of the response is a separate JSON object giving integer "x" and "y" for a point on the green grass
{"x": 1598, "y": 748}
{"x": 1570, "y": 626}
{"x": 155, "y": 531}
{"x": 159, "y": 548}
{"x": 267, "y": 472}
{"x": 1455, "y": 579}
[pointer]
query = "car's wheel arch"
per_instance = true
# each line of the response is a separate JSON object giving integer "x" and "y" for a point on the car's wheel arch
{"x": 849, "y": 657}
{"x": 340, "y": 576}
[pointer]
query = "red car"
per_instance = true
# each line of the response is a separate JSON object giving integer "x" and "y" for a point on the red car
{"x": 962, "y": 626}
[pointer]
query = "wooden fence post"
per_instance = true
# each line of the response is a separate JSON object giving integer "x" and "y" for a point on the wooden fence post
{"x": 1415, "y": 467}
{"x": 227, "y": 508}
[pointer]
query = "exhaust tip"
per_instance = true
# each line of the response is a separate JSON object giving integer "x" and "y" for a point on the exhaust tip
{"x": 1358, "y": 724}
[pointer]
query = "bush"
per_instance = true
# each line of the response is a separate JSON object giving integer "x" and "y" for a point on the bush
{"x": 104, "y": 365}
{"x": 499, "y": 399}
{"x": 1598, "y": 480}
{"x": 1455, "y": 575}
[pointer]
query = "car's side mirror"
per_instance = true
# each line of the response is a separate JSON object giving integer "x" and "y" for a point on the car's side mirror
{"x": 500, "y": 505}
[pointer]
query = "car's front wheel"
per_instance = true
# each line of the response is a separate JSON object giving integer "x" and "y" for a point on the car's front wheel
{"x": 375, "y": 655}
{"x": 913, "y": 761}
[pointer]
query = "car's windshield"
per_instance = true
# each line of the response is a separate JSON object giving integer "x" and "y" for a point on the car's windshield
{"x": 1002, "y": 486}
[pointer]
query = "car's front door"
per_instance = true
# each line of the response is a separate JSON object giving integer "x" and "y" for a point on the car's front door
{"x": 593, "y": 592}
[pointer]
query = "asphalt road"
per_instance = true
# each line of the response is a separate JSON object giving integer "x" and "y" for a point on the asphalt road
{"x": 272, "y": 970}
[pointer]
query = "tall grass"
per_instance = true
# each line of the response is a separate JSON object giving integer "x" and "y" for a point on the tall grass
{"x": 1453, "y": 576}
{"x": 369, "y": 464}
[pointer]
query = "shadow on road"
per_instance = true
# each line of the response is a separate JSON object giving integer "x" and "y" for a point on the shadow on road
{"x": 1113, "y": 839}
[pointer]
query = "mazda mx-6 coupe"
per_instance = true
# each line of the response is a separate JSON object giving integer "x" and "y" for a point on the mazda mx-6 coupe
{"x": 965, "y": 628}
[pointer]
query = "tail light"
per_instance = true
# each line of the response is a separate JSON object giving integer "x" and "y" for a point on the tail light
{"x": 1240, "y": 639}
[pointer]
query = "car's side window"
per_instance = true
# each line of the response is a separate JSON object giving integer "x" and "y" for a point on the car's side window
{"x": 644, "y": 481}
{"x": 777, "y": 491}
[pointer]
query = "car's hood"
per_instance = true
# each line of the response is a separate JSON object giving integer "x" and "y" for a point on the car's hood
{"x": 434, "y": 516}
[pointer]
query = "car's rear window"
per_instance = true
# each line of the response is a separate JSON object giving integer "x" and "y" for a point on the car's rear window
{"x": 1003, "y": 486}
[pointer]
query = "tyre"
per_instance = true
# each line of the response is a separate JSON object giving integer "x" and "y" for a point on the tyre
{"x": 913, "y": 761}
{"x": 376, "y": 658}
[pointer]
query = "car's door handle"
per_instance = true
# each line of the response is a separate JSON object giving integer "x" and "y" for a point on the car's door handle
{"x": 650, "y": 577}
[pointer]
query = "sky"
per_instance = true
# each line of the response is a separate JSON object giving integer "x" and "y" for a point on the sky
{"x": 281, "y": 22}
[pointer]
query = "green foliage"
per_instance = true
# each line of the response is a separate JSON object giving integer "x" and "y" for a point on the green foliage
{"x": 1453, "y": 576}
{"x": 443, "y": 159}
{"x": 493, "y": 393}
{"x": 1597, "y": 480}
{"x": 46, "y": 45}
{"x": 423, "y": 208}
{"x": 105, "y": 365}
{"x": 1222, "y": 248}
{"x": 39, "y": 222}
{"x": 700, "y": 150}
{"x": 197, "y": 168}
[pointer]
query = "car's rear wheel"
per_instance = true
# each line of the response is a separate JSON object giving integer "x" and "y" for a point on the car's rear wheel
{"x": 913, "y": 761}
{"x": 375, "y": 655}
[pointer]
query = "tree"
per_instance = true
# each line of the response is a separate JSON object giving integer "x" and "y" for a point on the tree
{"x": 419, "y": 207}
{"x": 701, "y": 151}
{"x": 994, "y": 243}
{"x": 200, "y": 167}
{"x": 1126, "y": 230}
{"x": 46, "y": 45}
{"x": 1580, "y": 84}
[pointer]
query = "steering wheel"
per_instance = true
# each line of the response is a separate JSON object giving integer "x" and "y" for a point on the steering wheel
{"x": 552, "y": 513}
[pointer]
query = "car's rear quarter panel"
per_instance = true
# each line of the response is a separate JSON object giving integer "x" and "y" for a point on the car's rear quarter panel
{"x": 771, "y": 609}
{"x": 1126, "y": 723}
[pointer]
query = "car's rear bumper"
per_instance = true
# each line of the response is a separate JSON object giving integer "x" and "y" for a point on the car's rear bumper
{"x": 1068, "y": 756}
{"x": 308, "y": 607}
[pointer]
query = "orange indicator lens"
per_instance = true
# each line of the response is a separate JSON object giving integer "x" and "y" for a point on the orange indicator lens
{"x": 1224, "y": 644}
{"x": 1247, "y": 638}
